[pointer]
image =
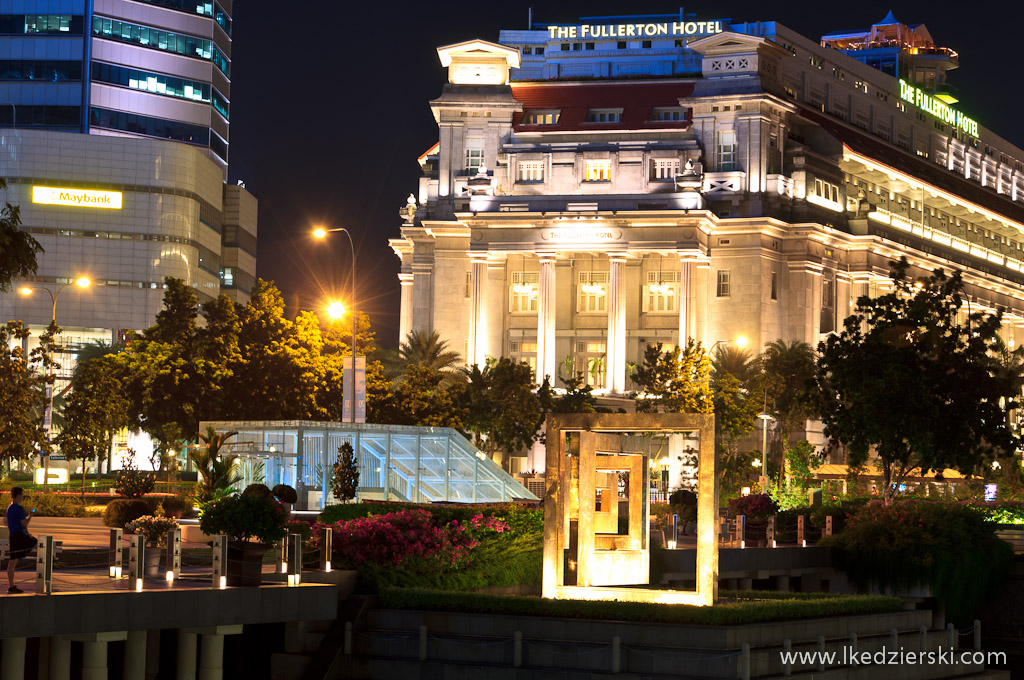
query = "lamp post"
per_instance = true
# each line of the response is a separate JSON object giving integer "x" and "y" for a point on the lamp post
{"x": 765, "y": 418}
{"x": 81, "y": 282}
{"x": 339, "y": 309}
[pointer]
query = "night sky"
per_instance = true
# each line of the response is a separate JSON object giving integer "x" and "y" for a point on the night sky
{"x": 330, "y": 111}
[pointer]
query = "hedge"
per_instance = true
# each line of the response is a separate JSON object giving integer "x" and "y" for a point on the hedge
{"x": 732, "y": 613}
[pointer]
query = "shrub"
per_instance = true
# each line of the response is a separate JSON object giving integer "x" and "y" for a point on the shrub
{"x": 756, "y": 506}
{"x": 682, "y": 497}
{"x": 285, "y": 493}
{"x": 259, "y": 491}
{"x": 947, "y": 546}
{"x": 301, "y": 527}
{"x": 999, "y": 512}
{"x": 519, "y": 517}
{"x": 155, "y": 529}
{"x": 132, "y": 482}
{"x": 245, "y": 517}
{"x": 52, "y": 505}
{"x": 175, "y": 505}
{"x": 122, "y": 510}
{"x": 345, "y": 474}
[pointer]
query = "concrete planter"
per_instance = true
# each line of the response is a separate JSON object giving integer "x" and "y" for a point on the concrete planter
{"x": 245, "y": 563}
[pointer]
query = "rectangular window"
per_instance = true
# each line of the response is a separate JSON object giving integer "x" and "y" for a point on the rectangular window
{"x": 668, "y": 113}
{"x": 538, "y": 50}
{"x": 621, "y": 45}
{"x": 590, "y": 46}
{"x": 540, "y": 118}
{"x": 724, "y": 288}
{"x": 474, "y": 153}
{"x": 588, "y": 361}
{"x": 597, "y": 171}
{"x": 524, "y": 352}
{"x": 565, "y": 47}
{"x": 661, "y": 292}
{"x": 664, "y": 169}
{"x": 646, "y": 44}
{"x": 775, "y": 286}
{"x": 592, "y": 293}
{"x": 828, "y": 304}
{"x": 727, "y": 150}
{"x": 604, "y": 115}
{"x": 523, "y": 293}
{"x": 530, "y": 171}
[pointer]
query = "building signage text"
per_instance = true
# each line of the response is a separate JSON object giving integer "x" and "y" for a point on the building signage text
{"x": 581, "y": 235}
{"x": 674, "y": 28}
{"x": 81, "y": 198}
{"x": 929, "y": 104}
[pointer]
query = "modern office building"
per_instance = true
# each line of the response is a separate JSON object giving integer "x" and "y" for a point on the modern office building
{"x": 114, "y": 142}
{"x": 600, "y": 187}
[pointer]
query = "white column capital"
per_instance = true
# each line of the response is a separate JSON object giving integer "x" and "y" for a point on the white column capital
{"x": 405, "y": 279}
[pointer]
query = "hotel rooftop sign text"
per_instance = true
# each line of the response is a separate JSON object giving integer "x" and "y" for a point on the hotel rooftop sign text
{"x": 674, "y": 28}
{"x": 946, "y": 114}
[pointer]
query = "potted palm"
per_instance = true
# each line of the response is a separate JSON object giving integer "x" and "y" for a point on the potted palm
{"x": 252, "y": 521}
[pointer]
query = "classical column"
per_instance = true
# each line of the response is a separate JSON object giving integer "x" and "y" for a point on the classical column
{"x": 135, "y": 655}
{"x": 683, "y": 300}
{"x": 405, "y": 319}
{"x": 477, "y": 352}
{"x": 546, "y": 319}
{"x": 211, "y": 657}
{"x": 615, "y": 350}
{"x": 185, "y": 669}
{"x": 423, "y": 296}
{"x": 12, "y": 658}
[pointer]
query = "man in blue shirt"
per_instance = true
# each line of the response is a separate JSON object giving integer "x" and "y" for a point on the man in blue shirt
{"x": 21, "y": 542}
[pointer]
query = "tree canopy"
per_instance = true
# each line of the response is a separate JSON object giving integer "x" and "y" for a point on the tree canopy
{"x": 914, "y": 379}
{"x": 18, "y": 250}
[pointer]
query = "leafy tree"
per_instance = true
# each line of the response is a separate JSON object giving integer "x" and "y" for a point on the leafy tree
{"x": 735, "y": 416}
{"x": 132, "y": 482}
{"x": 674, "y": 381}
{"x": 18, "y": 250}
{"x": 801, "y": 463}
{"x": 96, "y": 409}
{"x": 421, "y": 398}
{"x": 218, "y": 472}
{"x": 22, "y": 395}
{"x": 345, "y": 479}
{"x": 578, "y": 397}
{"x": 787, "y": 370}
{"x": 908, "y": 379}
{"x": 502, "y": 411}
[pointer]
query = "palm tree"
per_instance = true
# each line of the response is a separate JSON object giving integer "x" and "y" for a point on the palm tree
{"x": 430, "y": 351}
{"x": 787, "y": 368}
{"x": 219, "y": 473}
{"x": 737, "y": 362}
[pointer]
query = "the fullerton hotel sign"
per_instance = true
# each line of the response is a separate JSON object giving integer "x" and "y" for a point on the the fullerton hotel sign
{"x": 671, "y": 28}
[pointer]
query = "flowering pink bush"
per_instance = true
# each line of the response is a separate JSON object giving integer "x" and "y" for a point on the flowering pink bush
{"x": 394, "y": 538}
{"x": 756, "y": 505}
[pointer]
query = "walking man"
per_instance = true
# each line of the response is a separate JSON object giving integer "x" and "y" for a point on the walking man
{"x": 21, "y": 542}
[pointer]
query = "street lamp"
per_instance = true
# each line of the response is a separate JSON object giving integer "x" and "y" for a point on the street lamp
{"x": 765, "y": 418}
{"x": 740, "y": 341}
{"x": 81, "y": 282}
{"x": 336, "y": 309}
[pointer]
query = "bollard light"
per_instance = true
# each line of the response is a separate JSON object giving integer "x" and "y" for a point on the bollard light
{"x": 773, "y": 543}
{"x": 671, "y": 545}
{"x": 170, "y": 576}
{"x": 743, "y": 544}
{"x": 223, "y": 582}
{"x": 294, "y": 579}
{"x": 284, "y": 567}
{"x": 805, "y": 543}
{"x": 138, "y": 585}
{"x": 113, "y": 571}
{"x": 327, "y": 565}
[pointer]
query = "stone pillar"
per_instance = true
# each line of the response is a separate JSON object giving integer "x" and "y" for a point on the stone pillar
{"x": 135, "y": 655}
{"x": 185, "y": 668}
{"x": 423, "y": 295}
{"x": 12, "y": 658}
{"x": 59, "y": 658}
{"x": 211, "y": 657}
{"x": 546, "y": 318}
{"x": 405, "y": 318}
{"x": 152, "y": 654}
{"x": 685, "y": 331}
{"x": 615, "y": 350}
{"x": 478, "y": 331}
{"x": 94, "y": 660}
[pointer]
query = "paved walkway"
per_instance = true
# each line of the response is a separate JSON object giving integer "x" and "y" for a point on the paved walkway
{"x": 75, "y": 532}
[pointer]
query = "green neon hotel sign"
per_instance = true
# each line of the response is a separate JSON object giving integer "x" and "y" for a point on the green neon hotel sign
{"x": 929, "y": 104}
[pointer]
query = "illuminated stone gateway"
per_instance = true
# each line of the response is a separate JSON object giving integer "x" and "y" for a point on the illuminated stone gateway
{"x": 396, "y": 462}
{"x": 597, "y": 463}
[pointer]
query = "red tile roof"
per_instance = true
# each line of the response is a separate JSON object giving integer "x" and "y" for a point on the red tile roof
{"x": 574, "y": 100}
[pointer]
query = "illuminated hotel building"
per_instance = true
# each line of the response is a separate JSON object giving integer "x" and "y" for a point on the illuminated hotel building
{"x": 130, "y": 99}
{"x": 625, "y": 181}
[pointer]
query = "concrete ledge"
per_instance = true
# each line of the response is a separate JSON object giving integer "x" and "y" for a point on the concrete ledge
{"x": 96, "y": 612}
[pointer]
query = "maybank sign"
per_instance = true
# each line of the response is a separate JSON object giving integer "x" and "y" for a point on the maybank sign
{"x": 946, "y": 114}
{"x": 673, "y": 28}
{"x": 83, "y": 198}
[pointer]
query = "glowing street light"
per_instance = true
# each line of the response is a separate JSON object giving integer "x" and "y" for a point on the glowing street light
{"x": 82, "y": 282}
{"x": 336, "y": 309}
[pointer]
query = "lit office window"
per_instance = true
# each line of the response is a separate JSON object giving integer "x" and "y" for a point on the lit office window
{"x": 540, "y": 118}
{"x": 597, "y": 171}
{"x": 724, "y": 288}
{"x": 727, "y": 150}
{"x": 592, "y": 292}
{"x": 664, "y": 168}
{"x": 474, "y": 153}
{"x": 530, "y": 171}
{"x": 523, "y": 293}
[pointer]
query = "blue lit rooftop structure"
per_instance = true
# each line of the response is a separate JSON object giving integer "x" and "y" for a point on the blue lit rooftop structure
{"x": 396, "y": 462}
